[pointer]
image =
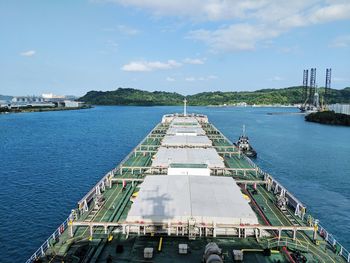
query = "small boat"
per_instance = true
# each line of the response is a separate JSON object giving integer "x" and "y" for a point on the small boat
{"x": 244, "y": 146}
{"x": 309, "y": 108}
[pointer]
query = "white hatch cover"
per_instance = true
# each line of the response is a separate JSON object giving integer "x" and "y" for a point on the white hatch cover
{"x": 185, "y": 140}
{"x": 166, "y": 156}
{"x": 179, "y": 198}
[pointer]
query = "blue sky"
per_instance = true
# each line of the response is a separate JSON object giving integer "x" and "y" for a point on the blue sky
{"x": 186, "y": 46}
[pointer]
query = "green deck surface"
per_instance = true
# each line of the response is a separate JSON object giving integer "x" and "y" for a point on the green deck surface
{"x": 138, "y": 160}
{"x": 237, "y": 162}
{"x": 188, "y": 165}
{"x": 82, "y": 248}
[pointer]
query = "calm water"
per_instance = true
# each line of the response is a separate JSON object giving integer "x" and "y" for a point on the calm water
{"x": 49, "y": 160}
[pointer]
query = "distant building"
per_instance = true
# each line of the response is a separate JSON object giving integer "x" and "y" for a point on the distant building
{"x": 46, "y": 101}
{"x": 70, "y": 97}
{"x": 73, "y": 104}
{"x": 29, "y": 101}
{"x": 26, "y": 99}
{"x": 241, "y": 104}
{"x": 52, "y": 96}
{"x": 4, "y": 104}
{"x": 340, "y": 108}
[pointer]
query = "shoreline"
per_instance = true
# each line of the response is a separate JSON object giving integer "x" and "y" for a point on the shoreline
{"x": 329, "y": 118}
{"x": 29, "y": 110}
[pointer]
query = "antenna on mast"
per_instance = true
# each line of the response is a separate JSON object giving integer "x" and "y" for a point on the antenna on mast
{"x": 185, "y": 107}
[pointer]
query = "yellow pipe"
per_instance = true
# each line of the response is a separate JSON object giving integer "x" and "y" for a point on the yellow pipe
{"x": 160, "y": 244}
{"x": 251, "y": 250}
{"x": 258, "y": 250}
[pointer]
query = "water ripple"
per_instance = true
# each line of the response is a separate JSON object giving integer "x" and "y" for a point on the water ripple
{"x": 49, "y": 160}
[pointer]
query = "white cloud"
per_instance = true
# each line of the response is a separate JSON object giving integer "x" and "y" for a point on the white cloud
{"x": 127, "y": 30}
{"x": 273, "y": 23}
{"x": 28, "y": 53}
{"x": 111, "y": 46}
{"x": 190, "y": 79}
{"x": 123, "y": 29}
{"x": 170, "y": 79}
{"x": 194, "y": 61}
{"x": 234, "y": 37}
{"x": 212, "y": 77}
{"x": 340, "y": 79}
{"x": 136, "y": 66}
{"x": 206, "y": 78}
{"x": 341, "y": 42}
{"x": 248, "y": 22}
{"x": 112, "y": 43}
{"x": 292, "y": 21}
{"x": 144, "y": 66}
{"x": 291, "y": 49}
{"x": 262, "y": 10}
{"x": 198, "y": 9}
{"x": 331, "y": 12}
{"x": 317, "y": 14}
{"x": 276, "y": 78}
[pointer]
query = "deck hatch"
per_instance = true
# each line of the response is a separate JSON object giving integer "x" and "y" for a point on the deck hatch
{"x": 176, "y": 199}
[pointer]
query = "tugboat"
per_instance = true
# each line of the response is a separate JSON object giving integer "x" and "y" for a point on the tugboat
{"x": 244, "y": 146}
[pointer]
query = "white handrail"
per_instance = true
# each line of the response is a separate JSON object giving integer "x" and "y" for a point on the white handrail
{"x": 41, "y": 250}
{"x": 322, "y": 231}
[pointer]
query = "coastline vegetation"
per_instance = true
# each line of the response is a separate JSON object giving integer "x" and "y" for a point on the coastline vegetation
{"x": 132, "y": 97}
{"x": 285, "y": 96}
{"x": 329, "y": 117}
{"x": 40, "y": 109}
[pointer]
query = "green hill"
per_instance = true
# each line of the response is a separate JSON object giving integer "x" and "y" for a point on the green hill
{"x": 131, "y": 97}
{"x": 291, "y": 95}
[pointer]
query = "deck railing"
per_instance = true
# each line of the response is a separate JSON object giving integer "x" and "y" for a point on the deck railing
{"x": 293, "y": 201}
{"x": 87, "y": 198}
{"x": 330, "y": 239}
{"x": 42, "y": 249}
{"x": 299, "y": 207}
{"x": 288, "y": 242}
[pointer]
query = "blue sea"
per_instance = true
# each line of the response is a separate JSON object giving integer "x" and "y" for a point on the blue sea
{"x": 49, "y": 160}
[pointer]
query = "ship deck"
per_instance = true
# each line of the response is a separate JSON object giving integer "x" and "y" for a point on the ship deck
{"x": 77, "y": 241}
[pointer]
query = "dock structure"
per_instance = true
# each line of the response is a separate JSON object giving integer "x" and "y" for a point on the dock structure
{"x": 184, "y": 185}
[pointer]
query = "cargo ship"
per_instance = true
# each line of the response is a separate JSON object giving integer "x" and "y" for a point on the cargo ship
{"x": 186, "y": 193}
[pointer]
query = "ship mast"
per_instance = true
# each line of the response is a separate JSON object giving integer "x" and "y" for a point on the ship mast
{"x": 185, "y": 107}
{"x": 243, "y": 130}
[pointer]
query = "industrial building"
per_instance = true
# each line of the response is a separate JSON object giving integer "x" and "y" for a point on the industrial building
{"x": 340, "y": 108}
{"x": 44, "y": 101}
